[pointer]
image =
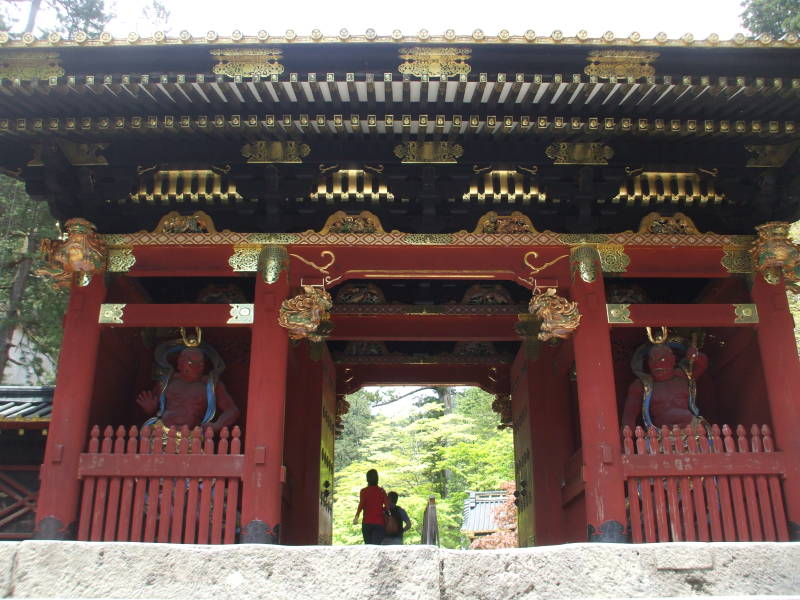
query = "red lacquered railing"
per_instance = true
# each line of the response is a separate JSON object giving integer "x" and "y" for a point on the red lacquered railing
{"x": 153, "y": 486}
{"x": 694, "y": 484}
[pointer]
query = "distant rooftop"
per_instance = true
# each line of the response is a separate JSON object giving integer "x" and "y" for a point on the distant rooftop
{"x": 25, "y": 403}
{"x": 479, "y": 511}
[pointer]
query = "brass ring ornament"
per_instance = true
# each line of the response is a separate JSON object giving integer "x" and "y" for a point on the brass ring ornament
{"x": 657, "y": 339}
{"x": 192, "y": 342}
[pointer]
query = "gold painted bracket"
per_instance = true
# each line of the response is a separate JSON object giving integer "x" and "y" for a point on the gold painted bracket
{"x": 241, "y": 314}
{"x": 745, "y": 313}
{"x": 428, "y": 152}
{"x": 111, "y": 313}
{"x": 579, "y": 153}
{"x": 434, "y": 62}
{"x": 633, "y": 64}
{"x": 120, "y": 260}
{"x": 619, "y": 313}
{"x": 248, "y": 62}
{"x": 264, "y": 152}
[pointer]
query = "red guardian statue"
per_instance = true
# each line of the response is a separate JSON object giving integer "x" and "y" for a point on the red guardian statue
{"x": 666, "y": 393}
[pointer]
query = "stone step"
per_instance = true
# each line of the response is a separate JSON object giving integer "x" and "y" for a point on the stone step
{"x": 100, "y": 570}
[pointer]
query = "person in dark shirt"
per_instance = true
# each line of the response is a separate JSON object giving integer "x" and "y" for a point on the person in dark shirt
{"x": 402, "y": 518}
{"x": 374, "y": 503}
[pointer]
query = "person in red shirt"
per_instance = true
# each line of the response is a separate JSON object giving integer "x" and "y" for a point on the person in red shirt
{"x": 374, "y": 502}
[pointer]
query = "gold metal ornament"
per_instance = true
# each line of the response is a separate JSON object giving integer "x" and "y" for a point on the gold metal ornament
{"x": 736, "y": 259}
{"x": 264, "y": 152}
{"x": 560, "y": 317}
{"x": 584, "y": 262}
{"x": 27, "y": 66}
{"x": 774, "y": 254}
{"x": 245, "y": 258}
{"x": 241, "y": 314}
{"x": 619, "y": 313}
{"x": 633, "y": 64}
{"x": 434, "y": 62}
{"x": 304, "y": 315}
{"x": 493, "y": 223}
{"x": 248, "y": 62}
{"x": 579, "y": 153}
{"x": 120, "y": 260}
{"x": 111, "y": 314}
{"x": 186, "y": 185}
{"x": 745, "y": 313}
{"x": 658, "y": 338}
{"x": 363, "y": 222}
{"x": 428, "y": 152}
{"x": 192, "y": 341}
{"x": 272, "y": 261}
{"x": 613, "y": 258}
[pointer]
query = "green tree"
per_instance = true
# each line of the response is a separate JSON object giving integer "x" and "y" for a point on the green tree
{"x": 28, "y": 304}
{"x": 775, "y": 17}
{"x": 428, "y": 452}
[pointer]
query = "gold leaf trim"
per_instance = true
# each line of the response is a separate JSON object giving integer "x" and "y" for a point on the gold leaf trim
{"x": 633, "y": 64}
{"x": 434, "y": 62}
{"x": 112, "y": 313}
{"x": 579, "y": 153}
{"x": 248, "y": 62}
{"x": 619, "y": 313}
{"x": 613, "y": 258}
{"x": 427, "y": 239}
{"x": 245, "y": 258}
{"x": 428, "y": 152}
{"x": 264, "y": 152}
{"x": 27, "y": 66}
{"x": 736, "y": 259}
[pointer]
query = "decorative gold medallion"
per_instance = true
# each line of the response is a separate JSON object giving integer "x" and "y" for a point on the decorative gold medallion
{"x": 245, "y": 258}
{"x": 678, "y": 223}
{"x": 120, "y": 260}
{"x": 272, "y": 261}
{"x": 745, "y": 313}
{"x": 428, "y": 152}
{"x": 241, "y": 313}
{"x": 27, "y": 66}
{"x": 248, "y": 62}
{"x": 619, "y": 313}
{"x": 579, "y": 153}
{"x": 633, "y": 64}
{"x": 434, "y": 62}
{"x": 770, "y": 155}
{"x": 111, "y": 313}
{"x": 263, "y": 152}
{"x": 613, "y": 258}
{"x": 584, "y": 261}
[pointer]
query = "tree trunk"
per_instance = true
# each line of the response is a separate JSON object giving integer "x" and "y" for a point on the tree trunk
{"x": 32, "y": 13}
{"x": 11, "y": 318}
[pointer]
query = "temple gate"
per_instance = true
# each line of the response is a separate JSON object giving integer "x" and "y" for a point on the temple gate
{"x": 263, "y": 225}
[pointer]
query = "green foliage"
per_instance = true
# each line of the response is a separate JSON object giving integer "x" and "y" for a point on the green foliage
{"x": 22, "y": 222}
{"x": 423, "y": 454}
{"x": 775, "y": 17}
{"x": 73, "y": 16}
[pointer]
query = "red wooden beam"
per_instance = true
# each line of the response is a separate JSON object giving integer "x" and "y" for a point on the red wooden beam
{"x": 186, "y": 261}
{"x": 174, "y": 315}
{"x": 699, "y": 465}
{"x": 424, "y": 327}
{"x": 160, "y": 465}
{"x": 679, "y": 315}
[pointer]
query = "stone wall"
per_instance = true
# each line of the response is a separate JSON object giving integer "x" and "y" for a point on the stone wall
{"x": 162, "y": 571}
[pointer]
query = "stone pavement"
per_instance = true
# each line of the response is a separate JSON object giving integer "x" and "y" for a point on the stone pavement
{"x": 100, "y": 570}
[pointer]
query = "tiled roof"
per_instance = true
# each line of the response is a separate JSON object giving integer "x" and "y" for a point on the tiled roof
{"x": 25, "y": 403}
{"x": 479, "y": 511}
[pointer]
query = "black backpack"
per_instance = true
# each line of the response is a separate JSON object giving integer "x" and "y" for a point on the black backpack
{"x": 393, "y": 523}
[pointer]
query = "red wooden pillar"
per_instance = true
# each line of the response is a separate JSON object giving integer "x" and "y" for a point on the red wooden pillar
{"x": 782, "y": 376}
{"x": 599, "y": 419}
{"x": 266, "y": 398}
{"x": 57, "y": 506}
